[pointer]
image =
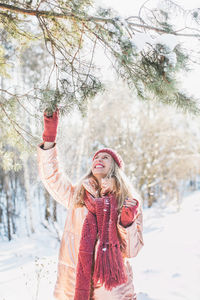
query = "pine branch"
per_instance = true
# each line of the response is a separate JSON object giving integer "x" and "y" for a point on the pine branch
{"x": 86, "y": 18}
{"x": 132, "y": 25}
{"x": 149, "y": 69}
{"x": 51, "y": 14}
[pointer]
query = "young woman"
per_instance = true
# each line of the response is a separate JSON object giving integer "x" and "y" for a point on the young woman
{"x": 103, "y": 226}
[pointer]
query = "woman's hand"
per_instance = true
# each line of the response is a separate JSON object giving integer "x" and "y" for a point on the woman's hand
{"x": 50, "y": 127}
{"x": 129, "y": 212}
{"x": 107, "y": 186}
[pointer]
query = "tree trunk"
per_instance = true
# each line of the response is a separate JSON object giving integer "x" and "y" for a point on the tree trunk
{"x": 47, "y": 205}
{"x": 151, "y": 197}
{"x": 1, "y": 215}
{"x": 28, "y": 192}
{"x": 8, "y": 208}
{"x": 83, "y": 148}
{"x": 8, "y": 217}
{"x": 54, "y": 211}
{"x": 13, "y": 181}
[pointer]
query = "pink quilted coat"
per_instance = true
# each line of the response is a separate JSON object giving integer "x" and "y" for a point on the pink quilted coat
{"x": 61, "y": 189}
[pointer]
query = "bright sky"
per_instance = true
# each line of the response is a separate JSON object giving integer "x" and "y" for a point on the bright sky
{"x": 126, "y": 7}
{"x": 131, "y": 7}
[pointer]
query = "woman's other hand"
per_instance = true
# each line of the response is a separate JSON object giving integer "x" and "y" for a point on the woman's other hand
{"x": 129, "y": 212}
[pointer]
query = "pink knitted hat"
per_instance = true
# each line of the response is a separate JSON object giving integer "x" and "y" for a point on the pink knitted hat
{"x": 117, "y": 158}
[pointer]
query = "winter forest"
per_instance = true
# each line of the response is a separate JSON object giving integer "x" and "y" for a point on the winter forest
{"x": 124, "y": 75}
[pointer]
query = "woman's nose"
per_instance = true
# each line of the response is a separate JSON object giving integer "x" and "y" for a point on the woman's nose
{"x": 99, "y": 159}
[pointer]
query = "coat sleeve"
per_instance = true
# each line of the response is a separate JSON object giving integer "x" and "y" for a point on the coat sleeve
{"x": 133, "y": 235}
{"x": 53, "y": 178}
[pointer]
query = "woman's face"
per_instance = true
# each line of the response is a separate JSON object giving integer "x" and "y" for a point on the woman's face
{"x": 101, "y": 165}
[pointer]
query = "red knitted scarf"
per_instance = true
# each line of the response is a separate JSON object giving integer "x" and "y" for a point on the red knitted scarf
{"x": 109, "y": 270}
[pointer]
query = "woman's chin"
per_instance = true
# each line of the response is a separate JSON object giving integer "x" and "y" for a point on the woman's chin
{"x": 99, "y": 174}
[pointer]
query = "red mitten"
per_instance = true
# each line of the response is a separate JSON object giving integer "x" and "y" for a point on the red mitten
{"x": 128, "y": 214}
{"x": 50, "y": 127}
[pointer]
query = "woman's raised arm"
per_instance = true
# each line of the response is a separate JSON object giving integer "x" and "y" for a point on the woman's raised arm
{"x": 51, "y": 174}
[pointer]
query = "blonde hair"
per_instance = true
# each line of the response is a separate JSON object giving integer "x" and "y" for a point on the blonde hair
{"x": 123, "y": 187}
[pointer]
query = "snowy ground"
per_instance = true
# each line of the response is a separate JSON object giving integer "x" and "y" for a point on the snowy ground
{"x": 167, "y": 268}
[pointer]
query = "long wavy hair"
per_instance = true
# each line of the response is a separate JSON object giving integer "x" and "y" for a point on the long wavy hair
{"x": 123, "y": 187}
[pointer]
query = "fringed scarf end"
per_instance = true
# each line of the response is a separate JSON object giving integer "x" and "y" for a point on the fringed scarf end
{"x": 109, "y": 267}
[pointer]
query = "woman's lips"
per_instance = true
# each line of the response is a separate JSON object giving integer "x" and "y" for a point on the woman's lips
{"x": 99, "y": 166}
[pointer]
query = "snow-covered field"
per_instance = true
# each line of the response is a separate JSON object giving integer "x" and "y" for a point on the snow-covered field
{"x": 167, "y": 268}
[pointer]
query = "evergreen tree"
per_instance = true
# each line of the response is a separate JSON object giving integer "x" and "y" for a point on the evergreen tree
{"x": 68, "y": 28}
